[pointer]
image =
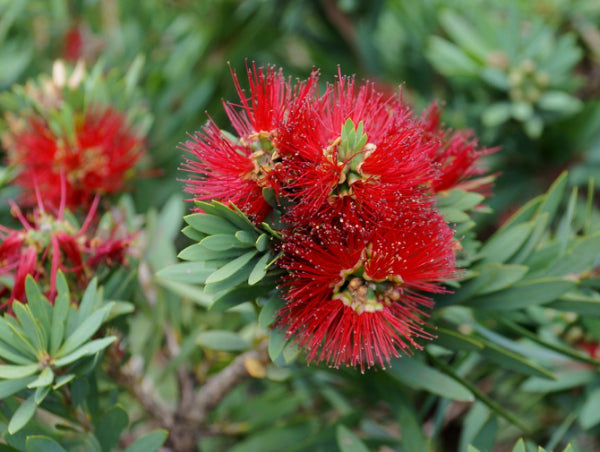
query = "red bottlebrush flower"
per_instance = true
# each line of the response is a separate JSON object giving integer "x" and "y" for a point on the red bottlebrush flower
{"x": 227, "y": 169}
{"x": 52, "y": 241}
{"x": 352, "y": 142}
{"x": 96, "y": 156}
{"x": 356, "y": 297}
{"x": 456, "y": 157}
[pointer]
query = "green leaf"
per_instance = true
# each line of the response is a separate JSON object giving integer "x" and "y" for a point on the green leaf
{"x": 150, "y": 442}
{"x": 463, "y": 33}
{"x": 581, "y": 257}
{"x": 590, "y": 414}
{"x": 45, "y": 378}
{"x": 110, "y": 426}
{"x": 188, "y": 272}
{"x": 560, "y": 102}
{"x": 564, "y": 380}
{"x": 86, "y": 307}
{"x": 63, "y": 380}
{"x": 10, "y": 387}
{"x": 578, "y": 301}
{"x": 260, "y": 269}
{"x": 519, "y": 446}
{"x": 478, "y": 393}
{"x": 198, "y": 252}
{"x": 222, "y": 340}
{"x": 454, "y": 340}
{"x": 412, "y": 437}
{"x": 60, "y": 311}
{"x": 23, "y": 415}
{"x": 38, "y": 443}
{"x": 230, "y": 268}
{"x": 10, "y": 354}
{"x": 540, "y": 224}
{"x": 187, "y": 291}
{"x": 277, "y": 341}
{"x": 269, "y": 311}
{"x": 31, "y": 326}
{"x": 490, "y": 277}
{"x": 39, "y": 306}
{"x": 506, "y": 242}
{"x": 236, "y": 296}
{"x": 84, "y": 331}
{"x": 348, "y": 441}
{"x": 11, "y": 372}
{"x": 262, "y": 242}
{"x": 221, "y": 242}
{"x": 510, "y": 360}
{"x": 11, "y": 333}
{"x": 449, "y": 59}
{"x": 40, "y": 393}
{"x": 524, "y": 294}
{"x": 417, "y": 375}
{"x": 88, "y": 349}
{"x": 554, "y": 196}
{"x": 193, "y": 234}
{"x": 496, "y": 114}
{"x": 232, "y": 214}
{"x": 246, "y": 237}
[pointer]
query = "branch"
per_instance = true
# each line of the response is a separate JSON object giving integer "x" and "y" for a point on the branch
{"x": 220, "y": 384}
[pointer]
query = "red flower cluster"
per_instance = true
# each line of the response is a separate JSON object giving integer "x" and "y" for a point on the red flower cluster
{"x": 96, "y": 153}
{"x": 51, "y": 240}
{"x": 354, "y": 174}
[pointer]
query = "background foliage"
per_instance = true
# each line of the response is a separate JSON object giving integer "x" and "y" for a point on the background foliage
{"x": 517, "y": 349}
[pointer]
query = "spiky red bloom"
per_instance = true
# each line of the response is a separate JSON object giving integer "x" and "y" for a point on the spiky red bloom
{"x": 50, "y": 241}
{"x": 96, "y": 156}
{"x": 457, "y": 157}
{"x": 227, "y": 170}
{"x": 356, "y": 297}
{"x": 323, "y": 163}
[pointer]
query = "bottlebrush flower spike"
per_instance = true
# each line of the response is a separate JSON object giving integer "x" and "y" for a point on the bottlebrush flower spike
{"x": 353, "y": 142}
{"x": 237, "y": 169}
{"x": 96, "y": 159}
{"x": 355, "y": 175}
{"x": 68, "y": 124}
{"x": 456, "y": 157}
{"x": 52, "y": 240}
{"x": 357, "y": 297}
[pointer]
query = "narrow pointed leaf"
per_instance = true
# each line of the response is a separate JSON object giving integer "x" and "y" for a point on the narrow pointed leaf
{"x": 45, "y": 378}
{"x": 221, "y": 242}
{"x": 420, "y": 376}
{"x": 348, "y": 441}
{"x": 237, "y": 296}
{"x": 40, "y": 393}
{"x": 190, "y": 272}
{"x": 83, "y": 332}
{"x": 210, "y": 224}
{"x": 222, "y": 340}
{"x": 526, "y": 293}
{"x": 30, "y": 325}
{"x": 23, "y": 415}
{"x": 90, "y": 348}
{"x": 150, "y": 442}
{"x": 39, "y": 443}
{"x": 260, "y": 269}
{"x": 10, "y": 387}
{"x": 231, "y": 268}
{"x": 60, "y": 311}
{"x": 9, "y": 371}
